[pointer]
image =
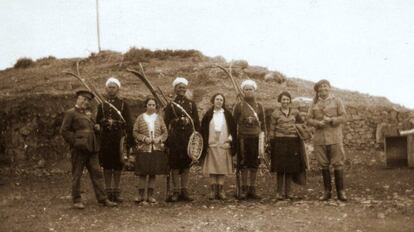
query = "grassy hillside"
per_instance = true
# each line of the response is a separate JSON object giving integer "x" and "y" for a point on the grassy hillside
{"x": 44, "y": 76}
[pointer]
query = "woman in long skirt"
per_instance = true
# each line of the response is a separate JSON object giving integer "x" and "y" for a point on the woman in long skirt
{"x": 287, "y": 153}
{"x": 219, "y": 133}
{"x": 150, "y": 134}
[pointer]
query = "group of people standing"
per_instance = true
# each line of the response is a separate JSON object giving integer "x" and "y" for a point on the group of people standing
{"x": 159, "y": 141}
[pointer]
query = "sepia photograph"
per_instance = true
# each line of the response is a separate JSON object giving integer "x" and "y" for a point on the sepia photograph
{"x": 219, "y": 115}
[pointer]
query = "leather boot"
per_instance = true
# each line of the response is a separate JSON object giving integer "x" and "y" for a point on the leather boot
{"x": 252, "y": 193}
{"x": 339, "y": 184}
{"x": 151, "y": 198}
{"x": 185, "y": 196}
{"x": 243, "y": 193}
{"x": 116, "y": 196}
{"x": 220, "y": 192}
{"x": 288, "y": 181}
{"x": 78, "y": 205}
{"x": 108, "y": 203}
{"x": 109, "y": 194}
{"x": 140, "y": 197}
{"x": 213, "y": 192}
{"x": 279, "y": 189}
{"x": 175, "y": 196}
{"x": 327, "y": 185}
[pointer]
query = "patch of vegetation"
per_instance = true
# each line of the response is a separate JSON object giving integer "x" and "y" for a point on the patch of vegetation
{"x": 46, "y": 60}
{"x": 24, "y": 63}
{"x": 144, "y": 55}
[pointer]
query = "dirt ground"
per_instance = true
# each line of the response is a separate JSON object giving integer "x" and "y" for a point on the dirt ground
{"x": 380, "y": 200}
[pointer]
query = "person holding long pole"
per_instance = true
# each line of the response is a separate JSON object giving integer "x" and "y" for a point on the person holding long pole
{"x": 180, "y": 130}
{"x": 113, "y": 131}
{"x": 250, "y": 119}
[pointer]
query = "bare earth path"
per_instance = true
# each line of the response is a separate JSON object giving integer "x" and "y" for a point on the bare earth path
{"x": 381, "y": 200}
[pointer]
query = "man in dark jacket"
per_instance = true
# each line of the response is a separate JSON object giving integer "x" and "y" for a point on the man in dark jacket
{"x": 78, "y": 129}
{"x": 250, "y": 119}
{"x": 180, "y": 130}
{"x": 113, "y": 130}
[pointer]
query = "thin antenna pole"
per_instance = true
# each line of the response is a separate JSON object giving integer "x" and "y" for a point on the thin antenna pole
{"x": 97, "y": 25}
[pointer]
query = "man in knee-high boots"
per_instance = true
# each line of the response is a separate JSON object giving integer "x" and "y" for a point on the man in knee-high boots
{"x": 249, "y": 116}
{"x": 113, "y": 130}
{"x": 327, "y": 114}
{"x": 180, "y": 130}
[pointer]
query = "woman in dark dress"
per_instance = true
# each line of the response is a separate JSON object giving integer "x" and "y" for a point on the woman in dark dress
{"x": 287, "y": 155}
{"x": 150, "y": 134}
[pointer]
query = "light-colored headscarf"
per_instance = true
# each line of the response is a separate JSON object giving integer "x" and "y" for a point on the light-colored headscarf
{"x": 114, "y": 81}
{"x": 249, "y": 82}
{"x": 180, "y": 80}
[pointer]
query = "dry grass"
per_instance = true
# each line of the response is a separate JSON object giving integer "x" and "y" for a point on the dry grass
{"x": 24, "y": 63}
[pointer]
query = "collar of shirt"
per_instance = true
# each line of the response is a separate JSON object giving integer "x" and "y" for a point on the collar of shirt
{"x": 219, "y": 111}
{"x": 77, "y": 108}
{"x": 330, "y": 97}
{"x": 112, "y": 99}
{"x": 286, "y": 114}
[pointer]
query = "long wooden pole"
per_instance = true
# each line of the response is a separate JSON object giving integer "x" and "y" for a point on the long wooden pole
{"x": 97, "y": 25}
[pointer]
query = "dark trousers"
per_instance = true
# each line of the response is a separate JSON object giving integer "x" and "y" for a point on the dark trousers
{"x": 80, "y": 160}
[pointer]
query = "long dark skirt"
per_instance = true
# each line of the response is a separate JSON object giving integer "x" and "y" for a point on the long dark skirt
{"x": 151, "y": 163}
{"x": 109, "y": 154}
{"x": 286, "y": 155}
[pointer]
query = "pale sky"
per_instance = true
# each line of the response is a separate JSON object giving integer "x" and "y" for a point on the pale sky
{"x": 367, "y": 46}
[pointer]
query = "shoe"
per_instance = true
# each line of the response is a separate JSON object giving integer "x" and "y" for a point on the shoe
{"x": 109, "y": 194}
{"x": 151, "y": 199}
{"x": 140, "y": 197}
{"x": 252, "y": 193}
{"x": 327, "y": 185}
{"x": 108, "y": 203}
{"x": 116, "y": 196}
{"x": 243, "y": 192}
{"x": 288, "y": 181}
{"x": 213, "y": 192}
{"x": 220, "y": 192}
{"x": 185, "y": 196}
{"x": 280, "y": 196}
{"x": 78, "y": 205}
{"x": 339, "y": 184}
{"x": 175, "y": 197}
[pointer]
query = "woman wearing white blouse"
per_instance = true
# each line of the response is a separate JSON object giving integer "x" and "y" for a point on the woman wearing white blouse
{"x": 150, "y": 134}
{"x": 219, "y": 133}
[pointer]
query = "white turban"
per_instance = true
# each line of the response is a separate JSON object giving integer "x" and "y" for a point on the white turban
{"x": 249, "y": 82}
{"x": 180, "y": 80}
{"x": 114, "y": 81}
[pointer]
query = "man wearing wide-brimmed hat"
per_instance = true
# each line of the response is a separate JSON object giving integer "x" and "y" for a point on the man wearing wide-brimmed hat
{"x": 327, "y": 114}
{"x": 78, "y": 129}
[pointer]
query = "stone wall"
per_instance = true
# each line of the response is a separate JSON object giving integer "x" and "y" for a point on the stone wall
{"x": 30, "y": 128}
